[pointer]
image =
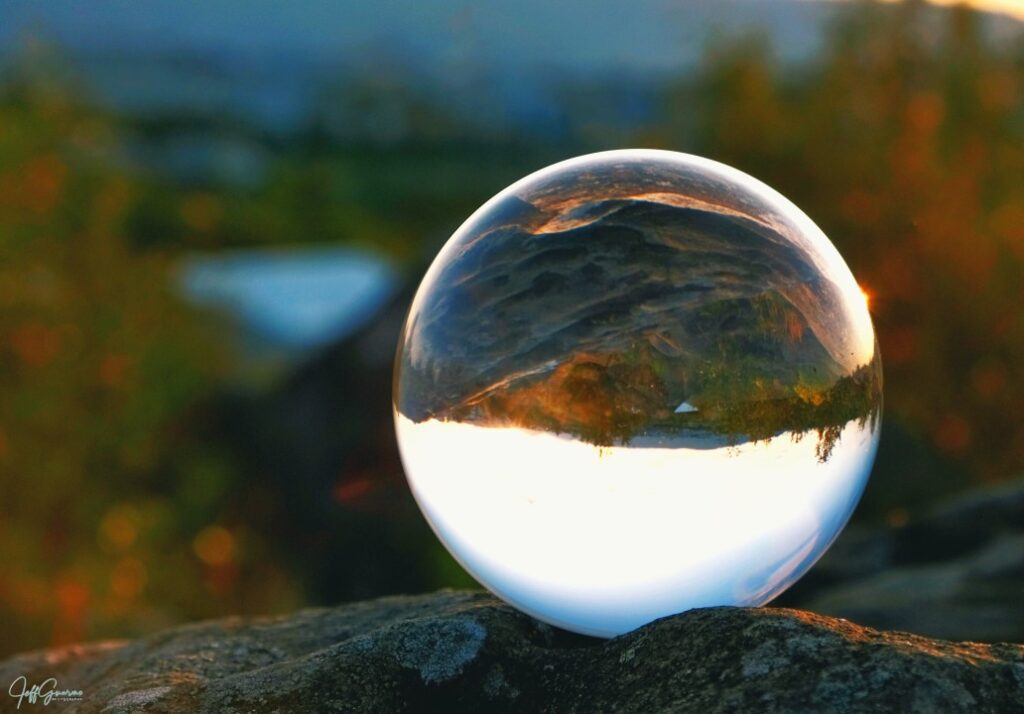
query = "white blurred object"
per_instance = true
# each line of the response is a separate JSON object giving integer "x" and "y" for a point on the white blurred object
{"x": 296, "y": 300}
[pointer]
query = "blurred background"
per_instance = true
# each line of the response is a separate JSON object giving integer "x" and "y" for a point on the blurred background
{"x": 213, "y": 215}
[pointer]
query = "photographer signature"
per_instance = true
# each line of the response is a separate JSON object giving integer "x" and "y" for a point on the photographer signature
{"x": 45, "y": 692}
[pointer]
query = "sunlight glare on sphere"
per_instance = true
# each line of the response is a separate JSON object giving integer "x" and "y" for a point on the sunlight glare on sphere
{"x": 635, "y": 383}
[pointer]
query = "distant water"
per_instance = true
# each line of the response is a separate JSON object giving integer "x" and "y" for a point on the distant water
{"x": 297, "y": 299}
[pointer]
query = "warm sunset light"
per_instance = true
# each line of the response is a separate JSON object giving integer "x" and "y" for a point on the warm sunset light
{"x": 1014, "y": 8}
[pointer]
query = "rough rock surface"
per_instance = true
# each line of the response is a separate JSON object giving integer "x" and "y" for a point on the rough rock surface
{"x": 956, "y": 572}
{"x": 466, "y": 651}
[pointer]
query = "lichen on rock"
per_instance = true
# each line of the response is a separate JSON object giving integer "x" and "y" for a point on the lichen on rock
{"x": 467, "y": 651}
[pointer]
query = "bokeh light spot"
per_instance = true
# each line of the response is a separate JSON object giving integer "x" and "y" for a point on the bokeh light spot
{"x": 214, "y": 545}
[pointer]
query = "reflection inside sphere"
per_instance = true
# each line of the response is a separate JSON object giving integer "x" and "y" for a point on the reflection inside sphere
{"x": 635, "y": 383}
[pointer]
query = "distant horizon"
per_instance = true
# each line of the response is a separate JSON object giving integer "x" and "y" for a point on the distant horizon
{"x": 449, "y": 34}
{"x": 505, "y": 66}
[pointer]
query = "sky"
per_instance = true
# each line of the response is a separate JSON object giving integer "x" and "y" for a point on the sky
{"x": 603, "y": 540}
{"x": 454, "y": 36}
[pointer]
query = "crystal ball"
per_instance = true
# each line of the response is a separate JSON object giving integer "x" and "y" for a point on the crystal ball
{"x": 634, "y": 383}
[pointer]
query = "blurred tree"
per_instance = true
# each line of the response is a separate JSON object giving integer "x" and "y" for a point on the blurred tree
{"x": 906, "y": 145}
{"x": 116, "y": 514}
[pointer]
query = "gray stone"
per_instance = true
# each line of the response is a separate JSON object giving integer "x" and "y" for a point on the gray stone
{"x": 466, "y": 651}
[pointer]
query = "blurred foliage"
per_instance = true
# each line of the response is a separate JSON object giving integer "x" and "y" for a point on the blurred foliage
{"x": 907, "y": 149}
{"x": 115, "y": 513}
{"x": 123, "y": 505}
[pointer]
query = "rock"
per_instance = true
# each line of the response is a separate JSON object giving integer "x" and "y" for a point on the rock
{"x": 466, "y": 651}
{"x": 956, "y": 572}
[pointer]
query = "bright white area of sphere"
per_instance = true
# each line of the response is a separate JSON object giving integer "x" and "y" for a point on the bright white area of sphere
{"x": 602, "y": 541}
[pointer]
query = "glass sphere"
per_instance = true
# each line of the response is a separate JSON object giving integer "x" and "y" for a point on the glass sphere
{"x": 634, "y": 383}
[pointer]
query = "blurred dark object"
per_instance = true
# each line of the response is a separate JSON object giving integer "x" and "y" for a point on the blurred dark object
{"x": 955, "y": 572}
{"x": 323, "y": 444}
